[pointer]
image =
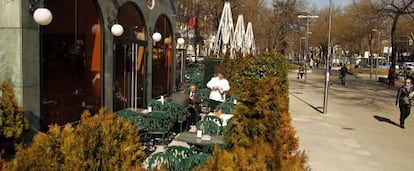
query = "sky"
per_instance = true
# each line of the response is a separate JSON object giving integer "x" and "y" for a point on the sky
{"x": 324, "y": 3}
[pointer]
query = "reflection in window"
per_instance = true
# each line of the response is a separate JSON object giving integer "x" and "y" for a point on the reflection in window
{"x": 129, "y": 59}
{"x": 71, "y": 61}
{"x": 162, "y": 60}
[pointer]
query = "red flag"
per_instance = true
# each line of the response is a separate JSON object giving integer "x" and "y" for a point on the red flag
{"x": 192, "y": 23}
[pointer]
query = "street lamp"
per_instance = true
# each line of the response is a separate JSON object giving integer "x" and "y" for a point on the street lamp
{"x": 180, "y": 42}
{"x": 300, "y": 48}
{"x": 41, "y": 15}
{"x": 379, "y": 51}
{"x": 325, "y": 95}
{"x": 307, "y": 17}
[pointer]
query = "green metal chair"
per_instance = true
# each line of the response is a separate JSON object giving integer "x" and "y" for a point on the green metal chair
{"x": 133, "y": 117}
{"x": 215, "y": 119}
{"x": 225, "y": 107}
{"x": 208, "y": 127}
{"x": 205, "y": 93}
{"x": 181, "y": 153}
{"x": 142, "y": 122}
{"x": 165, "y": 159}
{"x": 225, "y": 129}
{"x": 157, "y": 105}
{"x": 159, "y": 125}
{"x": 179, "y": 114}
{"x": 195, "y": 160}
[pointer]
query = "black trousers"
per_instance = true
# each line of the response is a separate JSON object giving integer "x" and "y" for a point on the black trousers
{"x": 212, "y": 104}
{"x": 404, "y": 113}
{"x": 194, "y": 114}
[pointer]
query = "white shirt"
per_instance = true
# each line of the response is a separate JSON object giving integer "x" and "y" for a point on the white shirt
{"x": 222, "y": 86}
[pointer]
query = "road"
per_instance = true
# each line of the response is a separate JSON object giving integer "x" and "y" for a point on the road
{"x": 360, "y": 130}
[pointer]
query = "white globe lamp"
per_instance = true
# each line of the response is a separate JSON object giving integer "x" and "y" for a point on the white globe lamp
{"x": 180, "y": 41}
{"x": 117, "y": 30}
{"x": 156, "y": 37}
{"x": 42, "y": 16}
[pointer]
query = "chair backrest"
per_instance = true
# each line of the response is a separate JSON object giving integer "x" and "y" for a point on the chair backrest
{"x": 225, "y": 107}
{"x": 196, "y": 160}
{"x": 165, "y": 159}
{"x": 225, "y": 129}
{"x": 180, "y": 152}
{"x": 177, "y": 112}
{"x": 136, "y": 118}
{"x": 208, "y": 127}
{"x": 157, "y": 105}
{"x": 158, "y": 121}
{"x": 215, "y": 119}
{"x": 205, "y": 93}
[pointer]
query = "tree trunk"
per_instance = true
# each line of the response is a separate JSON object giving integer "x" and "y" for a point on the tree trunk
{"x": 370, "y": 57}
{"x": 391, "y": 75}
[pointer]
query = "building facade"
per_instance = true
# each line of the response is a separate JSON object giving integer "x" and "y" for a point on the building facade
{"x": 77, "y": 63}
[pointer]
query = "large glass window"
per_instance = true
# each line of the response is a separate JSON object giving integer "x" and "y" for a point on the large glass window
{"x": 129, "y": 59}
{"x": 71, "y": 61}
{"x": 162, "y": 59}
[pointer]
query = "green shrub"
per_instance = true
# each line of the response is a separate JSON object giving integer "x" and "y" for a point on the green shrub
{"x": 260, "y": 117}
{"x": 99, "y": 142}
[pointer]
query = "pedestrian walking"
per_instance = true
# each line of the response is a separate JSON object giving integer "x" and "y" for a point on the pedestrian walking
{"x": 342, "y": 74}
{"x": 403, "y": 100}
{"x": 391, "y": 77}
{"x": 301, "y": 72}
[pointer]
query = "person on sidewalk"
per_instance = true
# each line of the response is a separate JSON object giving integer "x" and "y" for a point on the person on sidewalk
{"x": 219, "y": 87}
{"x": 342, "y": 74}
{"x": 403, "y": 100}
{"x": 391, "y": 77}
{"x": 301, "y": 72}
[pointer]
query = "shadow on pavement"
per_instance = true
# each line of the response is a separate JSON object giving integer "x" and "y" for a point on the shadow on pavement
{"x": 383, "y": 119}
{"x": 312, "y": 106}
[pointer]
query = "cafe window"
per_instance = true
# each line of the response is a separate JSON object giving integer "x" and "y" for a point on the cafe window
{"x": 71, "y": 58}
{"x": 162, "y": 59}
{"x": 130, "y": 59}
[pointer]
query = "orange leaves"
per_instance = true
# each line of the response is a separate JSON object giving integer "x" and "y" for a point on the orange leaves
{"x": 261, "y": 136}
{"x": 13, "y": 122}
{"x": 99, "y": 142}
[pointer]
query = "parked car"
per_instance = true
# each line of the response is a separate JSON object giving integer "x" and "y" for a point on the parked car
{"x": 408, "y": 67}
{"x": 192, "y": 58}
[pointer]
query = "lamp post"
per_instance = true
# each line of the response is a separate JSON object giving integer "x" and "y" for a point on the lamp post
{"x": 379, "y": 52}
{"x": 325, "y": 96}
{"x": 300, "y": 48}
{"x": 305, "y": 57}
{"x": 180, "y": 42}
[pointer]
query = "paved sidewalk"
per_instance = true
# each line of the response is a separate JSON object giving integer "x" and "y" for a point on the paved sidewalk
{"x": 359, "y": 132}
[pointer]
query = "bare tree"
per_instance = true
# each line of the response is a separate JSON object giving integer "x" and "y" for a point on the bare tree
{"x": 283, "y": 21}
{"x": 396, "y": 9}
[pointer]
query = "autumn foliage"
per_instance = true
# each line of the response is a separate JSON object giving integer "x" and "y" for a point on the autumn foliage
{"x": 99, "y": 142}
{"x": 13, "y": 122}
{"x": 261, "y": 136}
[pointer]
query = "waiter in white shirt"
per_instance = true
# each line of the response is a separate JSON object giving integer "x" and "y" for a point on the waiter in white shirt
{"x": 219, "y": 86}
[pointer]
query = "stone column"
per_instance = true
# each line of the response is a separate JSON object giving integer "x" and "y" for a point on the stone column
{"x": 19, "y": 56}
